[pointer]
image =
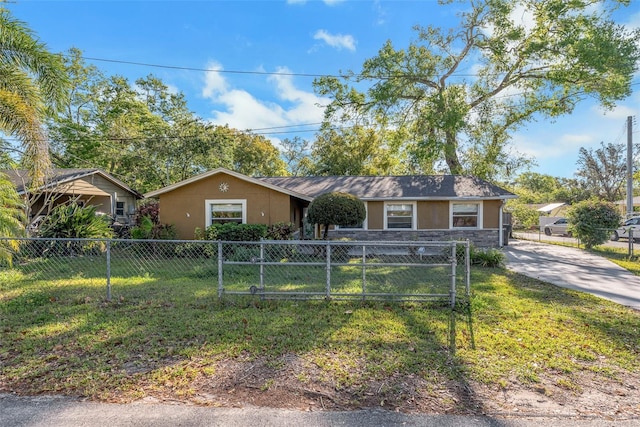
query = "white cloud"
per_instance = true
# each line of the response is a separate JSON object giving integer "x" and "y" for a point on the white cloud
{"x": 214, "y": 81}
{"x": 287, "y": 106}
{"x": 339, "y": 41}
{"x": 561, "y": 146}
{"x": 620, "y": 112}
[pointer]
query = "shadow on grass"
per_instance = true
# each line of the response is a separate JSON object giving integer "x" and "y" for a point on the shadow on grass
{"x": 556, "y": 328}
{"x": 161, "y": 337}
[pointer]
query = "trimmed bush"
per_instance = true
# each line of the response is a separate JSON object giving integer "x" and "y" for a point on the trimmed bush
{"x": 336, "y": 208}
{"x": 592, "y": 221}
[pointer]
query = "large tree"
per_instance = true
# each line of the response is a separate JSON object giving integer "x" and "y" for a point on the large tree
{"x": 356, "y": 150}
{"x": 458, "y": 94}
{"x": 603, "y": 171}
{"x": 145, "y": 134}
{"x": 32, "y": 83}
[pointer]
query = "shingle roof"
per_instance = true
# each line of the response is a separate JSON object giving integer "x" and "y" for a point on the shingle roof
{"x": 394, "y": 187}
{"x": 20, "y": 178}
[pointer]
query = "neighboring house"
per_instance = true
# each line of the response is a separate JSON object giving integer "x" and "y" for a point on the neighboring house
{"x": 622, "y": 205}
{"x": 86, "y": 186}
{"x": 421, "y": 207}
{"x": 552, "y": 209}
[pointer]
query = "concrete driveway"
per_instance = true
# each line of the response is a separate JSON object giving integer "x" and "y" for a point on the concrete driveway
{"x": 574, "y": 269}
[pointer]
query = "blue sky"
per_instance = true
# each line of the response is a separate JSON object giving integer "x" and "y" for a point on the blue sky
{"x": 293, "y": 38}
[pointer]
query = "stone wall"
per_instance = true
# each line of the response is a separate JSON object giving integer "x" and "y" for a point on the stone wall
{"x": 488, "y": 238}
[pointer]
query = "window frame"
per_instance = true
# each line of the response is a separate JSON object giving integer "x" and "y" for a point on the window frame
{"x": 414, "y": 215}
{"x": 479, "y": 214}
{"x": 123, "y": 209}
{"x": 208, "y": 205}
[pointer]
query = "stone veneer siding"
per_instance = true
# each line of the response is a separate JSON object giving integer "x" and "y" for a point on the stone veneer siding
{"x": 486, "y": 238}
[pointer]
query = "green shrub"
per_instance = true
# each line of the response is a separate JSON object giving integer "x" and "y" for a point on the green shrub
{"x": 281, "y": 231}
{"x": 489, "y": 257}
{"x": 72, "y": 221}
{"x": 234, "y": 232}
{"x": 336, "y": 209}
{"x": 482, "y": 257}
{"x": 523, "y": 217}
{"x": 75, "y": 222}
{"x": 592, "y": 221}
{"x": 147, "y": 229}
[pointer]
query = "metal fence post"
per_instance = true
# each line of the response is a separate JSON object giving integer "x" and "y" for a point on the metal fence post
{"x": 220, "y": 284}
{"x": 108, "y": 270}
{"x": 328, "y": 252}
{"x": 452, "y": 291}
{"x": 364, "y": 271}
{"x": 630, "y": 242}
{"x": 262, "y": 267}
{"x": 467, "y": 267}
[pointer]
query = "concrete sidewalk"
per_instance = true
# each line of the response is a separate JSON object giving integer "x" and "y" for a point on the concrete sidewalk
{"x": 50, "y": 411}
{"x": 574, "y": 269}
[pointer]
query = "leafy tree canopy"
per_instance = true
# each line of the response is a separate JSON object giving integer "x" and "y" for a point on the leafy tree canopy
{"x": 530, "y": 59}
{"x": 145, "y": 134}
{"x": 603, "y": 171}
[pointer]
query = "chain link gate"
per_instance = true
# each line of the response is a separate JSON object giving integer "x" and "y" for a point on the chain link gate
{"x": 306, "y": 269}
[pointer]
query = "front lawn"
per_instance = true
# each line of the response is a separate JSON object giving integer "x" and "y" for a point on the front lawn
{"x": 176, "y": 340}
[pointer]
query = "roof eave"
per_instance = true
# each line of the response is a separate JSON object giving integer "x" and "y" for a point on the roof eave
{"x": 216, "y": 171}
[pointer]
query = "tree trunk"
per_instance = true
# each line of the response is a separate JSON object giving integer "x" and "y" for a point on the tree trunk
{"x": 451, "y": 154}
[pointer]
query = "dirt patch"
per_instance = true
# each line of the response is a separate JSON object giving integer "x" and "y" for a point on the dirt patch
{"x": 293, "y": 382}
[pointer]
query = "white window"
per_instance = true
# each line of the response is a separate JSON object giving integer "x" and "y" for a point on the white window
{"x": 222, "y": 211}
{"x": 361, "y": 226}
{"x": 400, "y": 215}
{"x": 466, "y": 215}
{"x": 120, "y": 208}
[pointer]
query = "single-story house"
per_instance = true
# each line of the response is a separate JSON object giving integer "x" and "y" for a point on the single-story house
{"x": 419, "y": 207}
{"x": 86, "y": 186}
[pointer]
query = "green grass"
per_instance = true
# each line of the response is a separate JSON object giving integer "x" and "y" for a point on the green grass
{"x": 164, "y": 332}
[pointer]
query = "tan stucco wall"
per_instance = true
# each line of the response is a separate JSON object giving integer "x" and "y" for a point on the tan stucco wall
{"x": 491, "y": 214}
{"x": 375, "y": 215}
{"x": 185, "y": 206}
{"x": 433, "y": 215}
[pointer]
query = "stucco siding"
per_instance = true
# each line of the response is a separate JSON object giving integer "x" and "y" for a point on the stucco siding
{"x": 375, "y": 215}
{"x": 433, "y": 215}
{"x": 491, "y": 214}
{"x": 185, "y": 206}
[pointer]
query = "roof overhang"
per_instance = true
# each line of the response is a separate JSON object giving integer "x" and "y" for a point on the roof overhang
{"x": 550, "y": 207}
{"x": 217, "y": 171}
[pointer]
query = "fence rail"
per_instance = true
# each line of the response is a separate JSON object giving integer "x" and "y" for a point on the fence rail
{"x": 626, "y": 241}
{"x": 305, "y": 269}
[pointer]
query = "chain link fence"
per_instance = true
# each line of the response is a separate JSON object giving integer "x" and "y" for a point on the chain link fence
{"x": 626, "y": 241}
{"x": 192, "y": 269}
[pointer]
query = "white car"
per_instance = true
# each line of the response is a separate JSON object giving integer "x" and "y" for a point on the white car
{"x": 630, "y": 225}
{"x": 559, "y": 226}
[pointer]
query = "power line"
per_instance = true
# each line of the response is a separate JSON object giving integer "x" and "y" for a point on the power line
{"x": 263, "y": 73}
{"x": 215, "y": 70}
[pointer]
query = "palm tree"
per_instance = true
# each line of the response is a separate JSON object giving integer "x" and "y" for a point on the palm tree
{"x": 11, "y": 214}
{"x": 33, "y": 83}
